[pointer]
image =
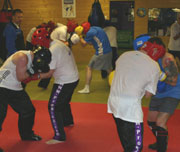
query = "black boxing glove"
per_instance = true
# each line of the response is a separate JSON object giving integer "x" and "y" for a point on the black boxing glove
{"x": 44, "y": 69}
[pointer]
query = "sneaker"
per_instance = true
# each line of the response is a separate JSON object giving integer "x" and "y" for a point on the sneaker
{"x": 153, "y": 146}
{"x": 85, "y": 90}
{"x": 32, "y": 138}
{"x": 1, "y": 150}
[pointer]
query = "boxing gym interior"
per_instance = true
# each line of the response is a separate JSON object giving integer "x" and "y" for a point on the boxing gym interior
{"x": 94, "y": 129}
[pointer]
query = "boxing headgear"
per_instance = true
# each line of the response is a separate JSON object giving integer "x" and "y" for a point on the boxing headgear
{"x": 71, "y": 25}
{"x": 43, "y": 25}
{"x": 41, "y": 60}
{"x": 154, "y": 50}
{"x": 86, "y": 26}
{"x": 73, "y": 39}
{"x": 41, "y": 38}
{"x": 79, "y": 30}
{"x": 51, "y": 26}
{"x": 140, "y": 40}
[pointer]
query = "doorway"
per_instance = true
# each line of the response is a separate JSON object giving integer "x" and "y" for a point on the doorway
{"x": 122, "y": 17}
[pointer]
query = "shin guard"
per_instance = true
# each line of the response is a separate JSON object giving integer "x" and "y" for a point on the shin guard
{"x": 153, "y": 127}
{"x": 162, "y": 139}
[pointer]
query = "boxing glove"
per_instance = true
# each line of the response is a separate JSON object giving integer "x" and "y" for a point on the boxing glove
{"x": 31, "y": 78}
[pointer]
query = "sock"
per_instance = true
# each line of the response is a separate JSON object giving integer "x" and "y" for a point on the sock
{"x": 86, "y": 86}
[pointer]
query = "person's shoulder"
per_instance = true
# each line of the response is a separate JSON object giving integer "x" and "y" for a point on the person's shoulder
{"x": 20, "y": 57}
{"x": 8, "y": 27}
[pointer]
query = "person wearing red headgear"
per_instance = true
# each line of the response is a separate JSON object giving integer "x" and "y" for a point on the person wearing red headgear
{"x": 102, "y": 59}
{"x": 163, "y": 104}
{"x": 136, "y": 75}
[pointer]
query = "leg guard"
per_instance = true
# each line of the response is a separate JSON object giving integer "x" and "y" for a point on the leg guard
{"x": 162, "y": 139}
{"x": 153, "y": 127}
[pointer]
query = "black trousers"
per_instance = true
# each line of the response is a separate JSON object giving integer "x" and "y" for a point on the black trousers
{"x": 60, "y": 109}
{"x": 20, "y": 103}
{"x": 130, "y": 134}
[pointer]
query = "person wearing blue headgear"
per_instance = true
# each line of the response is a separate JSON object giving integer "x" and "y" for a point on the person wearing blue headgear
{"x": 163, "y": 104}
{"x": 136, "y": 76}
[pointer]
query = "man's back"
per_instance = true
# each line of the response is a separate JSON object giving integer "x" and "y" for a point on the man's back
{"x": 135, "y": 73}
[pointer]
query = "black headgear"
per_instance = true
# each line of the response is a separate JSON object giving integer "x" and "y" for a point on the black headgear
{"x": 42, "y": 58}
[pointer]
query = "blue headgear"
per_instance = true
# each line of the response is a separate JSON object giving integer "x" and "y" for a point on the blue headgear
{"x": 140, "y": 40}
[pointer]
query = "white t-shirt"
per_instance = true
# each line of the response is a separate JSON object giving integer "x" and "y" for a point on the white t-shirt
{"x": 8, "y": 77}
{"x": 174, "y": 45}
{"x": 111, "y": 32}
{"x": 135, "y": 73}
{"x": 63, "y": 62}
{"x": 59, "y": 33}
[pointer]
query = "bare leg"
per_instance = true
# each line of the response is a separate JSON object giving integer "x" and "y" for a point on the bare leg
{"x": 88, "y": 81}
{"x": 88, "y": 76}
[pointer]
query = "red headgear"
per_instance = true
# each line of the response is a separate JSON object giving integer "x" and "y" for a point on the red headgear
{"x": 154, "y": 50}
{"x": 43, "y": 25}
{"x": 41, "y": 37}
{"x": 71, "y": 25}
{"x": 86, "y": 26}
{"x": 51, "y": 25}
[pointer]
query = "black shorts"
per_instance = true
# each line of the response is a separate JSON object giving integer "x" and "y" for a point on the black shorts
{"x": 167, "y": 104}
{"x": 130, "y": 134}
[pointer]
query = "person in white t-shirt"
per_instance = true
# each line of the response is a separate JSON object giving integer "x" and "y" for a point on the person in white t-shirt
{"x": 136, "y": 75}
{"x": 66, "y": 77}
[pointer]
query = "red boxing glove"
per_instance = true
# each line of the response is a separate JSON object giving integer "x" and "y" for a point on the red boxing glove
{"x": 33, "y": 77}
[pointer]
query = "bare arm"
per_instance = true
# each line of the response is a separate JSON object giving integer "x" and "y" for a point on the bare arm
{"x": 83, "y": 42}
{"x": 20, "y": 60}
{"x": 46, "y": 75}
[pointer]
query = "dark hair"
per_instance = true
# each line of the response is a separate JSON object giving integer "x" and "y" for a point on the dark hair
{"x": 16, "y": 11}
{"x": 157, "y": 40}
